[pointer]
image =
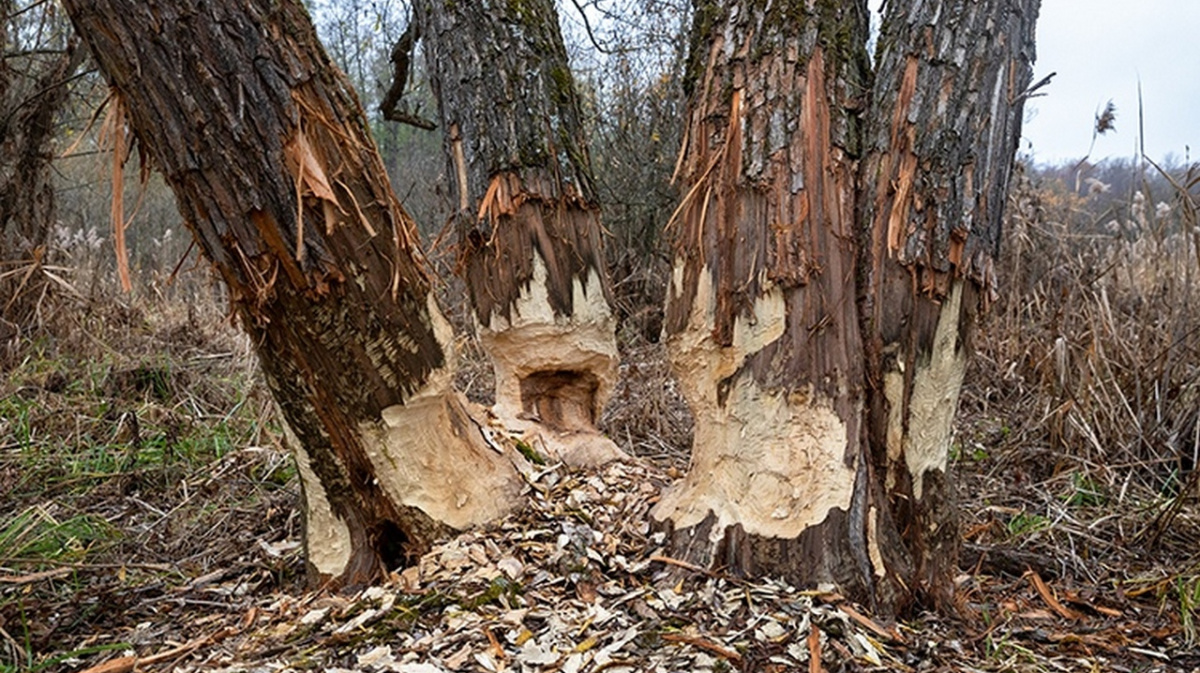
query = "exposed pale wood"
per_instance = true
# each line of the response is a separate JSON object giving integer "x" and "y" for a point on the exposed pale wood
{"x": 833, "y": 245}
{"x": 530, "y": 248}
{"x": 269, "y": 155}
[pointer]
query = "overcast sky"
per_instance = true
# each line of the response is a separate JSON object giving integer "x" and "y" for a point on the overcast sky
{"x": 1100, "y": 49}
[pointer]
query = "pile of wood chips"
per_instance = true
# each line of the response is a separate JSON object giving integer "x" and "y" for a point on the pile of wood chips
{"x": 578, "y": 583}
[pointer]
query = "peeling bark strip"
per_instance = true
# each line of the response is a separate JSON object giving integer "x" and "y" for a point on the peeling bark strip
{"x": 761, "y": 316}
{"x": 267, "y": 150}
{"x": 944, "y": 126}
{"x": 529, "y": 240}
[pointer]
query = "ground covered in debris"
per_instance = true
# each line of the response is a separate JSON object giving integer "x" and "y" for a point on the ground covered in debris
{"x": 578, "y": 583}
{"x": 150, "y": 524}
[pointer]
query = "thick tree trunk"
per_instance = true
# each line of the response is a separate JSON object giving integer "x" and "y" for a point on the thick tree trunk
{"x": 529, "y": 239}
{"x": 822, "y": 432}
{"x": 944, "y": 126}
{"x": 762, "y": 322}
{"x": 30, "y": 100}
{"x": 268, "y": 153}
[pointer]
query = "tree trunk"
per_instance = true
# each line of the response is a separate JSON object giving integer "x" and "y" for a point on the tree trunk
{"x": 269, "y": 155}
{"x": 792, "y": 471}
{"x": 762, "y": 325}
{"x": 30, "y": 99}
{"x": 944, "y": 126}
{"x": 528, "y": 224}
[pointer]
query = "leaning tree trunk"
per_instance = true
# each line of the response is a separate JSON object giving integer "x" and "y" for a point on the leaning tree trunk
{"x": 527, "y": 218}
{"x": 30, "y": 100}
{"x": 267, "y": 150}
{"x": 945, "y": 124}
{"x": 817, "y": 457}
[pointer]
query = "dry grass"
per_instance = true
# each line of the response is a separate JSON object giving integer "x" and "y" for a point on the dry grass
{"x": 140, "y": 455}
{"x": 647, "y": 415}
{"x": 1079, "y": 443}
{"x": 137, "y": 454}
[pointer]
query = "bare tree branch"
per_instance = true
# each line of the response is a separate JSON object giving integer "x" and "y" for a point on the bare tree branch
{"x": 401, "y": 60}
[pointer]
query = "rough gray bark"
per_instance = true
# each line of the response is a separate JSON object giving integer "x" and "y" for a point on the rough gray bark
{"x": 529, "y": 239}
{"x": 267, "y": 150}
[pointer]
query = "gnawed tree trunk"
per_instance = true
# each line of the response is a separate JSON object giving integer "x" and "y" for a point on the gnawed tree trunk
{"x": 528, "y": 222}
{"x": 268, "y": 152}
{"x": 30, "y": 100}
{"x": 945, "y": 124}
{"x": 816, "y": 457}
{"x": 761, "y": 320}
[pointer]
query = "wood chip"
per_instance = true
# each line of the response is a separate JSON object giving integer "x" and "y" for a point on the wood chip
{"x": 706, "y": 645}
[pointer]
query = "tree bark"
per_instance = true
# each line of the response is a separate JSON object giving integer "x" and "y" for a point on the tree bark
{"x": 269, "y": 155}
{"x": 762, "y": 324}
{"x": 529, "y": 239}
{"x": 944, "y": 127}
{"x": 815, "y": 358}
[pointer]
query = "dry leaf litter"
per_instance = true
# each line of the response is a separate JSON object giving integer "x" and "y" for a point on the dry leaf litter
{"x": 576, "y": 582}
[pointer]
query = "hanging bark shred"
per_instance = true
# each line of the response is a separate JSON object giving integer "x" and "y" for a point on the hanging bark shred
{"x": 115, "y": 134}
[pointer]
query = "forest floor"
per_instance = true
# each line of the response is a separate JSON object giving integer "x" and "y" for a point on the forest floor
{"x": 149, "y": 521}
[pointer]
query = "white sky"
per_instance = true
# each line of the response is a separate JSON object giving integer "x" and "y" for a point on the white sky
{"x": 1100, "y": 49}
